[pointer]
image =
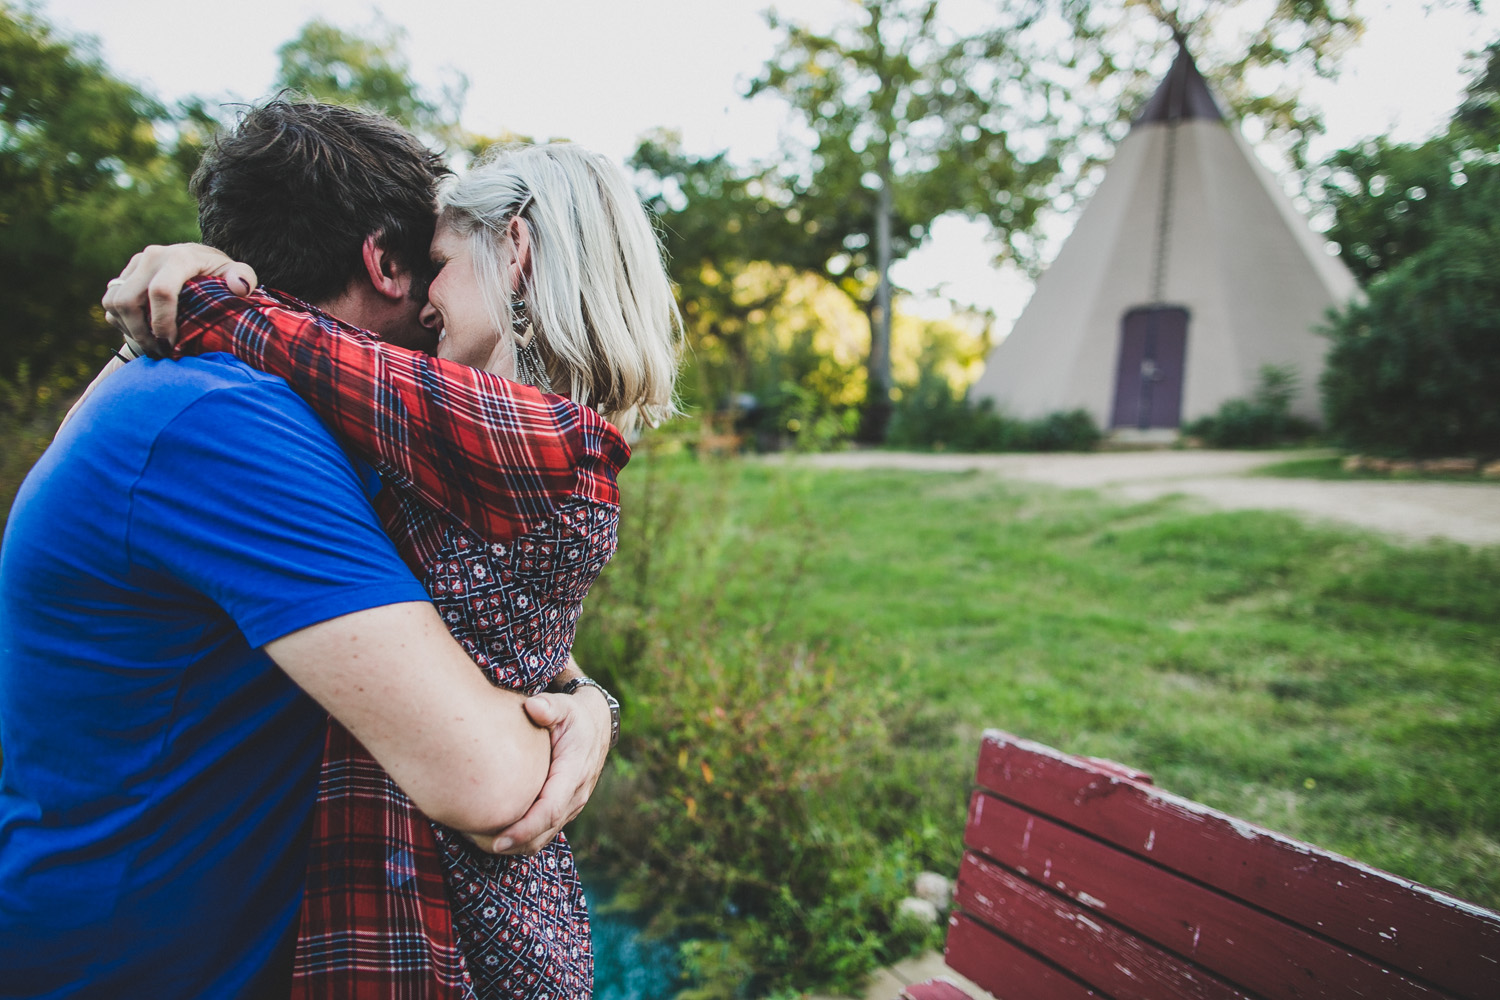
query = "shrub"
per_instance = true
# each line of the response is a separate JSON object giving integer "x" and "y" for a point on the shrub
{"x": 930, "y": 415}
{"x": 797, "y": 417}
{"x": 1414, "y": 370}
{"x": 762, "y": 809}
{"x": 1257, "y": 422}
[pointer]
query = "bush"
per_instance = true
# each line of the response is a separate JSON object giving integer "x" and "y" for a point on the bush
{"x": 795, "y": 417}
{"x": 761, "y": 809}
{"x": 1258, "y": 422}
{"x": 1413, "y": 372}
{"x": 929, "y": 415}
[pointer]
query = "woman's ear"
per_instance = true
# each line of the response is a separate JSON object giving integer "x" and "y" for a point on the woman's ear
{"x": 520, "y": 238}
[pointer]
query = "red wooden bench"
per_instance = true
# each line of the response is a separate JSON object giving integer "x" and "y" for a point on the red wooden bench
{"x": 1082, "y": 879}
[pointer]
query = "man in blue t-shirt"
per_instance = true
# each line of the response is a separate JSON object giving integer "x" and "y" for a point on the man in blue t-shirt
{"x": 192, "y": 558}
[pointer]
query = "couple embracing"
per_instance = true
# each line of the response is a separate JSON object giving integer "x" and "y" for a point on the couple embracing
{"x": 286, "y": 693}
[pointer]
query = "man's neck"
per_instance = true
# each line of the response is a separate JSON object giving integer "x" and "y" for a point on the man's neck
{"x": 346, "y": 307}
{"x": 394, "y": 322}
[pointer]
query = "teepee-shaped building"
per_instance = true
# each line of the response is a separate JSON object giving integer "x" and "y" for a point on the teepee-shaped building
{"x": 1188, "y": 270}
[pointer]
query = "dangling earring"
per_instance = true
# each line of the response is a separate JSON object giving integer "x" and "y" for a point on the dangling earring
{"x": 529, "y": 367}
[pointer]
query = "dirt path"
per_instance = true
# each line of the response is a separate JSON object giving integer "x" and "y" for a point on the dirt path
{"x": 1462, "y": 512}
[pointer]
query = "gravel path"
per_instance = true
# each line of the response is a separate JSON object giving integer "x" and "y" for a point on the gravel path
{"x": 1461, "y": 512}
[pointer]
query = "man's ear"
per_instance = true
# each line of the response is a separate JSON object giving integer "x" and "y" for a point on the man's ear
{"x": 387, "y": 275}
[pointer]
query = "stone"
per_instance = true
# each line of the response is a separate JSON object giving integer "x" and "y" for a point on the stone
{"x": 1491, "y": 471}
{"x": 1450, "y": 466}
{"x": 1353, "y": 463}
{"x": 936, "y": 889}
{"x": 917, "y": 909}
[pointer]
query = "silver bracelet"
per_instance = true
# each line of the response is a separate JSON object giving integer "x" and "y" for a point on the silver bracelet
{"x": 614, "y": 706}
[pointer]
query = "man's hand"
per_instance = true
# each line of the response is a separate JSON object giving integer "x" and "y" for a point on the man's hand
{"x": 580, "y": 727}
{"x": 142, "y": 302}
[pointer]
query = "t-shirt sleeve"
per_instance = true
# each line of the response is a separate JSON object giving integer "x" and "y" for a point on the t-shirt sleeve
{"x": 249, "y": 500}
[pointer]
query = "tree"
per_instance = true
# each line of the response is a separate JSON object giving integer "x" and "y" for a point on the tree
{"x": 1412, "y": 371}
{"x": 1391, "y": 201}
{"x": 329, "y": 64}
{"x": 720, "y": 225}
{"x": 910, "y": 120}
{"x": 90, "y": 170}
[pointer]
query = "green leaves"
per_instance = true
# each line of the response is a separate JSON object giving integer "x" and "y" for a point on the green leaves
{"x": 1412, "y": 371}
{"x": 327, "y": 63}
{"x": 895, "y": 93}
{"x": 89, "y": 173}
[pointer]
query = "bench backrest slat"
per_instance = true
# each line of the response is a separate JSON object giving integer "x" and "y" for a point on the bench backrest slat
{"x": 1428, "y": 936}
{"x": 976, "y": 952}
{"x": 1240, "y": 943}
{"x": 1100, "y": 953}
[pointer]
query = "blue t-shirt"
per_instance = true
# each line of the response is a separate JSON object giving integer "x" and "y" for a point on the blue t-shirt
{"x": 159, "y": 769}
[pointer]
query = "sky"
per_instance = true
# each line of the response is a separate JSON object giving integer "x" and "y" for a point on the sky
{"x": 604, "y": 72}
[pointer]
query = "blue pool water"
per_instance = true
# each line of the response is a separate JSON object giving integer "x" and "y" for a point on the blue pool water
{"x": 628, "y": 966}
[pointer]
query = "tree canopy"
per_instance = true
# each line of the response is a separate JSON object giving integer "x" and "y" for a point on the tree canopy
{"x": 908, "y": 120}
{"x": 331, "y": 64}
{"x": 1391, "y": 200}
{"x": 91, "y": 169}
{"x": 1413, "y": 370}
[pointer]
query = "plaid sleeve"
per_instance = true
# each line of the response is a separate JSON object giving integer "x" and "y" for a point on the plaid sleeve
{"x": 496, "y": 455}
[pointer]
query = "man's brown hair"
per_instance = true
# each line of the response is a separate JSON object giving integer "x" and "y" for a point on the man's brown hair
{"x": 294, "y": 188}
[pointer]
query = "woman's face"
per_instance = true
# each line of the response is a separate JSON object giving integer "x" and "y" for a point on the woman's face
{"x": 456, "y": 306}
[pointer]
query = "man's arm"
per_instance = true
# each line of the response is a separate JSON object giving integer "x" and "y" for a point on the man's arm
{"x": 462, "y": 749}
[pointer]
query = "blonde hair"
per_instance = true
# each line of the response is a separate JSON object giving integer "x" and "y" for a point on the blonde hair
{"x": 596, "y": 291}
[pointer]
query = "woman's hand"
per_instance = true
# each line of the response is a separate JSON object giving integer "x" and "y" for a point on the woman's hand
{"x": 142, "y": 302}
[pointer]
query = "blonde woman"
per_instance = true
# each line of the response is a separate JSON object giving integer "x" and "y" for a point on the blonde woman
{"x": 558, "y": 333}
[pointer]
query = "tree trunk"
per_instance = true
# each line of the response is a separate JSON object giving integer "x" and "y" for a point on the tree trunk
{"x": 877, "y": 415}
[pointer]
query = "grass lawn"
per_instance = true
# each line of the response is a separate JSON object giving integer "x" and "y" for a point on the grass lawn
{"x": 1324, "y": 683}
{"x": 1332, "y": 467}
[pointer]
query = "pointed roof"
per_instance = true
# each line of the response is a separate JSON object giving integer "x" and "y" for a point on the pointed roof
{"x": 1183, "y": 94}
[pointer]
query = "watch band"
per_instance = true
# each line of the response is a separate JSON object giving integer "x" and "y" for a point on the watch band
{"x": 614, "y": 706}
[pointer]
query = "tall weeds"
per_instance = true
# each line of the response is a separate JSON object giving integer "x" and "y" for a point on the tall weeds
{"x": 763, "y": 808}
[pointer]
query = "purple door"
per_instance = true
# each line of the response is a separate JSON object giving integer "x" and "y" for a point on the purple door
{"x": 1148, "y": 381}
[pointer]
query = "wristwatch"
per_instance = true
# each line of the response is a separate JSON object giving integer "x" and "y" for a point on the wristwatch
{"x": 614, "y": 706}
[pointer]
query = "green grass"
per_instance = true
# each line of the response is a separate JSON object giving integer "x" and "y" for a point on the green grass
{"x": 1333, "y": 468}
{"x": 1325, "y": 683}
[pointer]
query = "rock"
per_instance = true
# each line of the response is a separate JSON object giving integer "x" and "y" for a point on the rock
{"x": 1402, "y": 468}
{"x": 917, "y": 909}
{"x": 1353, "y": 463}
{"x": 1491, "y": 471}
{"x": 1450, "y": 466}
{"x": 935, "y": 888}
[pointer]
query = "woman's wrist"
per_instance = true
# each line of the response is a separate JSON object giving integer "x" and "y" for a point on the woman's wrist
{"x": 569, "y": 685}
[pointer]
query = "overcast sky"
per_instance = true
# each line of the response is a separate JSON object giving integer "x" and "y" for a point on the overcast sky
{"x": 602, "y": 72}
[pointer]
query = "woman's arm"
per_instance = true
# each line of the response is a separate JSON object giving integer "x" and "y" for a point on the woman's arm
{"x": 496, "y": 455}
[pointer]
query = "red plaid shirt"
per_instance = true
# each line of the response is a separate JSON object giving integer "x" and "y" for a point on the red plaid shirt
{"x": 472, "y": 464}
